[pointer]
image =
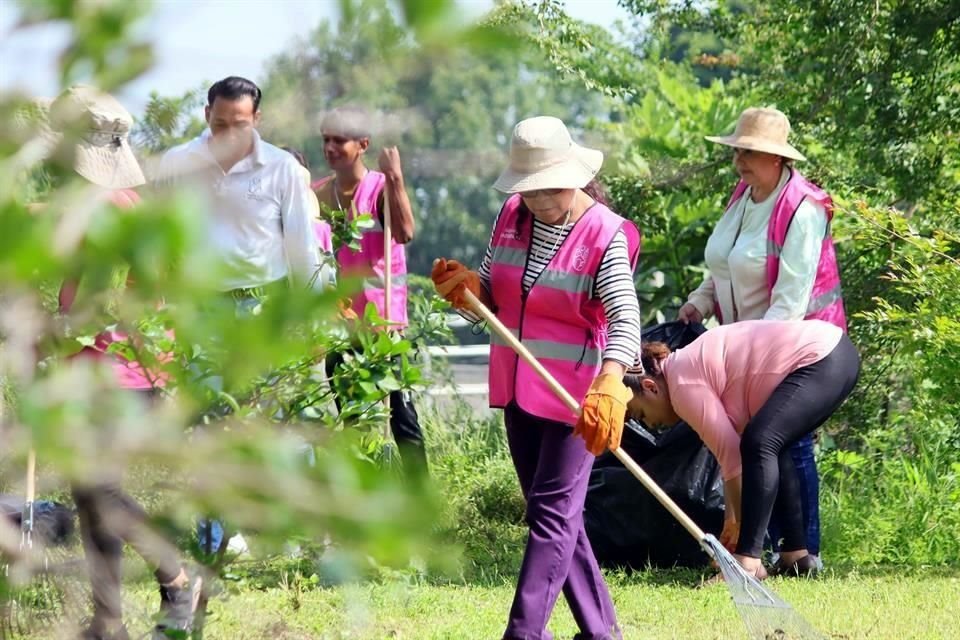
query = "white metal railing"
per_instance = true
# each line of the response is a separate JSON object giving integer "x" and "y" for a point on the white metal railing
{"x": 455, "y": 321}
{"x": 470, "y": 389}
{"x": 460, "y": 351}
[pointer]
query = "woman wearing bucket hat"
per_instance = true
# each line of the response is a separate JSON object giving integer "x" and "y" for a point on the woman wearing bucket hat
{"x": 88, "y": 131}
{"x": 771, "y": 257}
{"x": 558, "y": 272}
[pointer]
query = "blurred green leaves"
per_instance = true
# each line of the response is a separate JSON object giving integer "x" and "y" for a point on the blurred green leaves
{"x": 101, "y": 50}
{"x": 245, "y": 394}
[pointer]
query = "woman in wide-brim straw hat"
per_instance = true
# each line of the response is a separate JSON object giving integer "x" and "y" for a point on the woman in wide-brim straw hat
{"x": 771, "y": 257}
{"x": 87, "y": 131}
{"x": 559, "y": 273}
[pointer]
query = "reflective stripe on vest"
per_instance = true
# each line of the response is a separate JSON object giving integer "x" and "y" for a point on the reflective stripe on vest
{"x": 545, "y": 349}
{"x": 562, "y": 324}
{"x": 379, "y": 282}
{"x": 509, "y": 256}
{"x": 370, "y": 255}
{"x": 825, "y": 299}
{"x": 776, "y": 250}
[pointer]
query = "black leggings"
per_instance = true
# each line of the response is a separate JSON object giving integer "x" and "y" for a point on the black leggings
{"x": 798, "y": 406}
{"x": 108, "y": 519}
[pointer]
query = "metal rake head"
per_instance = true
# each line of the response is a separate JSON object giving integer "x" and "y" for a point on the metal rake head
{"x": 765, "y": 615}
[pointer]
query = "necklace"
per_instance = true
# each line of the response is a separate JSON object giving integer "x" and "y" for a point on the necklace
{"x": 336, "y": 189}
{"x": 556, "y": 242}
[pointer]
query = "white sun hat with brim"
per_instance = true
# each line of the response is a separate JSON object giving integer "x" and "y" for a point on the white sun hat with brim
{"x": 91, "y": 130}
{"x": 761, "y": 129}
{"x": 544, "y": 156}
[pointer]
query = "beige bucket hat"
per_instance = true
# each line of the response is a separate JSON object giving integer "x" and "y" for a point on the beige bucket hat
{"x": 91, "y": 129}
{"x": 544, "y": 156}
{"x": 761, "y": 129}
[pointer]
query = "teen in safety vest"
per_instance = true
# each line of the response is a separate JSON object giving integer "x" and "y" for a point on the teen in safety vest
{"x": 358, "y": 191}
{"x": 771, "y": 257}
{"x": 559, "y": 274}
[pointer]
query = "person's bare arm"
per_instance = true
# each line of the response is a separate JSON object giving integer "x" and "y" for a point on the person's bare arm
{"x": 732, "y": 496}
{"x": 401, "y": 212}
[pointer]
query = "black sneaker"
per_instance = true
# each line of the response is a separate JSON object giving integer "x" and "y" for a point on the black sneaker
{"x": 805, "y": 567}
{"x": 177, "y": 607}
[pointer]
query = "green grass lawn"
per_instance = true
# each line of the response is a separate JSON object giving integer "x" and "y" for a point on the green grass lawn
{"x": 661, "y": 605}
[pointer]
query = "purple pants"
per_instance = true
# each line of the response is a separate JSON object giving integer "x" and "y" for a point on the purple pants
{"x": 554, "y": 468}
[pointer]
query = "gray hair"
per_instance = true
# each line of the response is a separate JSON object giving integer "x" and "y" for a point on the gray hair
{"x": 347, "y": 121}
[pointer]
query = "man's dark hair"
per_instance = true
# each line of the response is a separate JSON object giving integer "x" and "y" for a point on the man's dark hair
{"x": 234, "y": 88}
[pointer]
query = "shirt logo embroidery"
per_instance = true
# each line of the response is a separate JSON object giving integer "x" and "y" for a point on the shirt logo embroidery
{"x": 580, "y": 258}
{"x": 254, "y": 188}
{"x": 508, "y": 235}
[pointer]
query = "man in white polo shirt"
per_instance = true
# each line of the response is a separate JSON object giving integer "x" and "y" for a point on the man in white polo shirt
{"x": 259, "y": 208}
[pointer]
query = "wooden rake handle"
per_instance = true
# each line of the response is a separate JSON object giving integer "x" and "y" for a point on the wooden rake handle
{"x": 494, "y": 323}
{"x": 387, "y": 291}
{"x": 31, "y": 488}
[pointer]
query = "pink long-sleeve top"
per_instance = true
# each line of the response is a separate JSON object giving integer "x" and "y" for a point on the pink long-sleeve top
{"x": 128, "y": 374}
{"x": 720, "y": 381}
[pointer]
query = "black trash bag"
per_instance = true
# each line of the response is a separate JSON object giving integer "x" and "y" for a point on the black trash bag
{"x": 54, "y": 523}
{"x": 626, "y": 525}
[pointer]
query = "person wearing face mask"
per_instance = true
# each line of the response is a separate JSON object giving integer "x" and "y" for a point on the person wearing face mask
{"x": 771, "y": 257}
{"x": 559, "y": 273}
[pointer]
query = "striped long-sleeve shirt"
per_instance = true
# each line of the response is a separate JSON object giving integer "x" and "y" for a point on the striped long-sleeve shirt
{"x": 614, "y": 286}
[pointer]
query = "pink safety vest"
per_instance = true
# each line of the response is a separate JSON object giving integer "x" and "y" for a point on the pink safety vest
{"x": 558, "y": 320}
{"x": 323, "y": 235}
{"x": 128, "y": 374}
{"x": 371, "y": 254}
{"x": 826, "y": 298}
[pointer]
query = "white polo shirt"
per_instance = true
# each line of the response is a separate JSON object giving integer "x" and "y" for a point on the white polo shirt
{"x": 260, "y": 212}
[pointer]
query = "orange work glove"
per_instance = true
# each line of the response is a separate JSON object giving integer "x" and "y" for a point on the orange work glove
{"x": 451, "y": 279}
{"x": 603, "y": 413}
{"x": 730, "y": 534}
{"x": 346, "y": 310}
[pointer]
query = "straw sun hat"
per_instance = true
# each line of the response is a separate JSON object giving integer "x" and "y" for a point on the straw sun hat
{"x": 91, "y": 130}
{"x": 761, "y": 130}
{"x": 544, "y": 156}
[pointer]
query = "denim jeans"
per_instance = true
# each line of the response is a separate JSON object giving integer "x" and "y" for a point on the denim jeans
{"x": 803, "y": 458}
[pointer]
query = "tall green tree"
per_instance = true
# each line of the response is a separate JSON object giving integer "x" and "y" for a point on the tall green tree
{"x": 450, "y": 114}
{"x": 876, "y": 80}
